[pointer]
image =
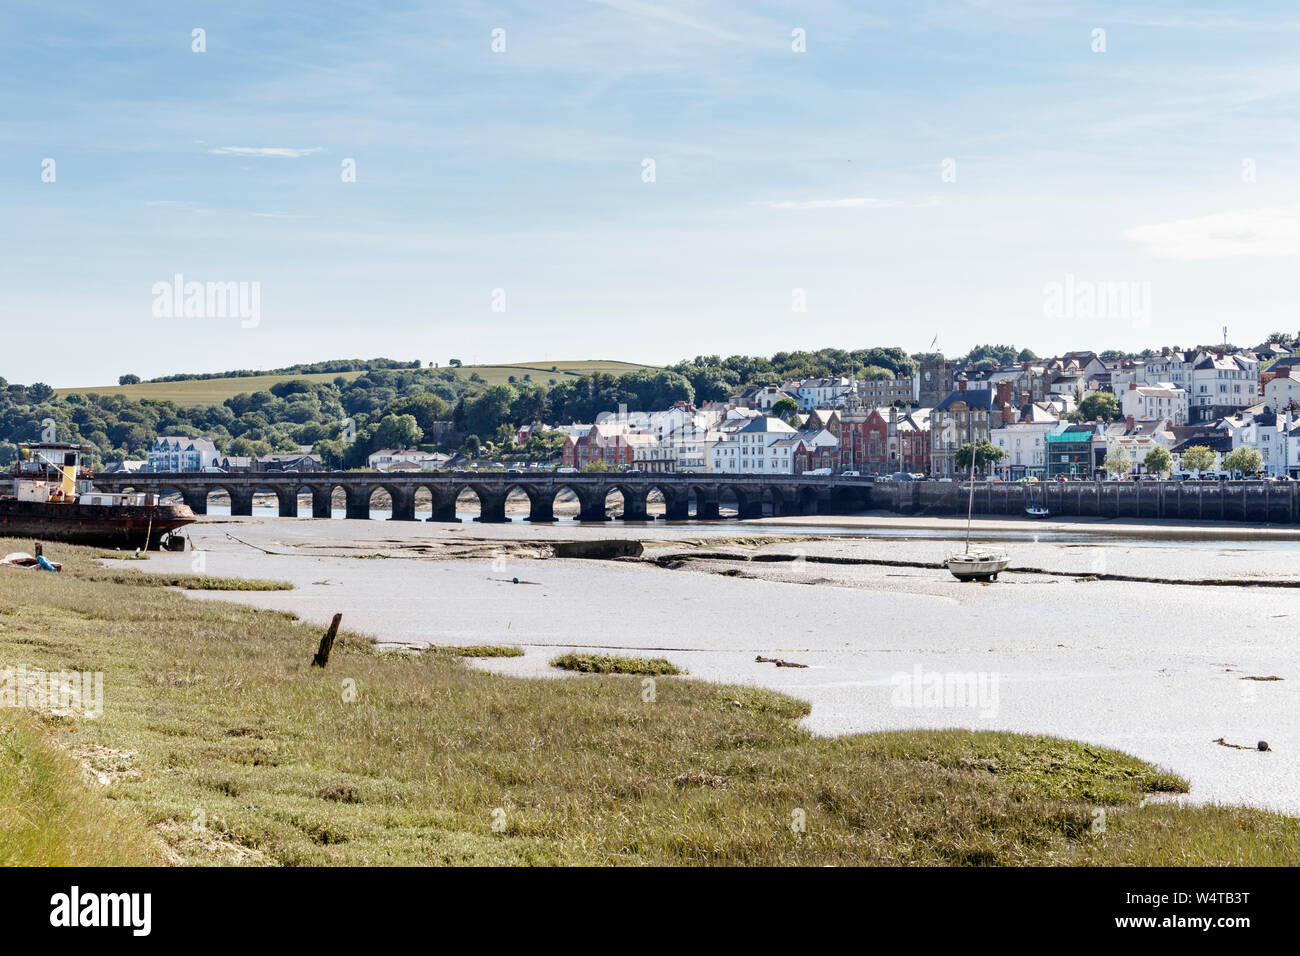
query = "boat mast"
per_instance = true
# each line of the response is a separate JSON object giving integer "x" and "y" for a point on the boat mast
{"x": 970, "y": 505}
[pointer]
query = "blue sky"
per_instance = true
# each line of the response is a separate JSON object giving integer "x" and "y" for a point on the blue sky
{"x": 522, "y": 171}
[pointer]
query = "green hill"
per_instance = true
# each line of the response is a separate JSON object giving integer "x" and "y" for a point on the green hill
{"x": 214, "y": 391}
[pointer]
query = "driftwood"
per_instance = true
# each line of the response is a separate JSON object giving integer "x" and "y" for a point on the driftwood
{"x": 326, "y": 643}
{"x": 777, "y": 661}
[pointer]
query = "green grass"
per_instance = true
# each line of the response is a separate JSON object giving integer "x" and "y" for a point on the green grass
{"x": 50, "y": 816}
{"x": 187, "y": 582}
{"x": 214, "y": 391}
{"x": 605, "y": 664}
{"x": 476, "y": 650}
{"x": 541, "y": 371}
{"x": 210, "y": 391}
{"x": 219, "y": 739}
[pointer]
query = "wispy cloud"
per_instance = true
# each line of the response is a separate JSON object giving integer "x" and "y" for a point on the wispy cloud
{"x": 853, "y": 202}
{"x": 284, "y": 151}
{"x": 1267, "y": 232}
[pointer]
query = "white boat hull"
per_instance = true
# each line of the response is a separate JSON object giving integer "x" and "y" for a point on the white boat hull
{"x": 977, "y": 566}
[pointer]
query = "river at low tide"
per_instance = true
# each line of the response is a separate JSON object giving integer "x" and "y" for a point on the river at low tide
{"x": 1160, "y": 668}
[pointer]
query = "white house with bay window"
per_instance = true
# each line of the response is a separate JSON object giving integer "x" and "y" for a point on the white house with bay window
{"x": 178, "y": 453}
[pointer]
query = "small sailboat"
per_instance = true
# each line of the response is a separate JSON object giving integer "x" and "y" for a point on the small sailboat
{"x": 976, "y": 564}
{"x": 1035, "y": 510}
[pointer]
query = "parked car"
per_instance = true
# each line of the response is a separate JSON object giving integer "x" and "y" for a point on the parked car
{"x": 566, "y": 471}
{"x": 850, "y": 474}
{"x": 818, "y": 471}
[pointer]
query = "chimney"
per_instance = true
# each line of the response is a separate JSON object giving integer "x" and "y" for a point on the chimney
{"x": 1004, "y": 393}
{"x": 1284, "y": 371}
{"x": 1008, "y": 414}
{"x": 1024, "y": 366}
{"x": 1132, "y": 386}
{"x": 961, "y": 386}
{"x": 1128, "y": 423}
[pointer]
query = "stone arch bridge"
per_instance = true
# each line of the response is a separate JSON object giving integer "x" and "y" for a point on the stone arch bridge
{"x": 685, "y": 495}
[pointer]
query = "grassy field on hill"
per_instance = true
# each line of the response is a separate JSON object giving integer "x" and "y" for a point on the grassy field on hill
{"x": 219, "y": 743}
{"x": 214, "y": 391}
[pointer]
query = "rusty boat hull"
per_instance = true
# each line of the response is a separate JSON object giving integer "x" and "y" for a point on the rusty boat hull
{"x": 110, "y": 526}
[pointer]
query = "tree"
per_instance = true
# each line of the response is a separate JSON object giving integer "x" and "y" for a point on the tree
{"x": 785, "y": 408}
{"x": 1027, "y": 355}
{"x": 1158, "y": 461}
{"x": 1118, "y": 462}
{"x": 1197, "y": 458}
{"x": 986, "y": 453}
{"x": 1244, "y": 460}
{"x": 1281, "y": 338}
{"x": 397, "y": 431}
{"x": 128, "y": 380}
{"x": 1101, "y": 405}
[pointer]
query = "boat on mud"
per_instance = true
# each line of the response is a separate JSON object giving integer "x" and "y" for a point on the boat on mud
{"x": 52, "y": 498}
{"x": 978, "y": 563}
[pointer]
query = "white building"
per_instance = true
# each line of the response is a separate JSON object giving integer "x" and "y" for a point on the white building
{"x": 1137, "y": 440}
{"x": 1147, "y": 402}
{"x": 821, "y": 392}
{"x": 1025, "y": 443}
{"x": 405, "y": 459}
{"x": 1282, "y": 390}
{"x": 177, "y": 453}
{"x": 745, "y": 451}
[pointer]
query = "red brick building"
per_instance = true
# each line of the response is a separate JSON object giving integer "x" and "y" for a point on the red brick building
{"x": 611, "y": 444}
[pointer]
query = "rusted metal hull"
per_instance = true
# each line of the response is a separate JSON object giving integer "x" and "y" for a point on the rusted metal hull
{"x": 106, "y": 526}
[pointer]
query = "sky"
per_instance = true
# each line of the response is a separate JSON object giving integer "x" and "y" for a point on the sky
{"x": 637, "y": 180}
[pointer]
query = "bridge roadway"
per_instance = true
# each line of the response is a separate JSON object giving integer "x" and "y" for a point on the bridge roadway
{"x": 685, "y": 495}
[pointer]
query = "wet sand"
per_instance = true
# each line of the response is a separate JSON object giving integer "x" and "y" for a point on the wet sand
{"x": 1157, "y": 669}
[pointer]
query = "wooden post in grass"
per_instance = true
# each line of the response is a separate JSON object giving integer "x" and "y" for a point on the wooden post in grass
{"x": 323, "y": 652}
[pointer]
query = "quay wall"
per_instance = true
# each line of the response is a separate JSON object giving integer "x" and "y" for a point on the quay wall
{"x": 1250, "y": 501}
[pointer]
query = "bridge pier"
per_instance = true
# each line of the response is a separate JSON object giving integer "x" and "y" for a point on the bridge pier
{"x": 634, "y": 504}
{"x": 322, "y": 502}
{"x": 492, "y": 506}
{"x": 677, "y": 504}
{"x": 751, "y": 509}
{"x": 241, "y": 501}
{"x": 591, "y": 503}
{"x": 358, "y": 501}
{"x": 707, "y": 505}
{"x": 541, "y": 505}
{"x": 288, "y": 501}
{"x": 444, "y": 506}
{"x": 785, "y": 501}
{"x": 196, "y": 499}
{"x": 403, "y": 503}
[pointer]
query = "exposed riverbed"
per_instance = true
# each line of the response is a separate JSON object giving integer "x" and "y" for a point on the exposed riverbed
{"x": 1065, "y": 646}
